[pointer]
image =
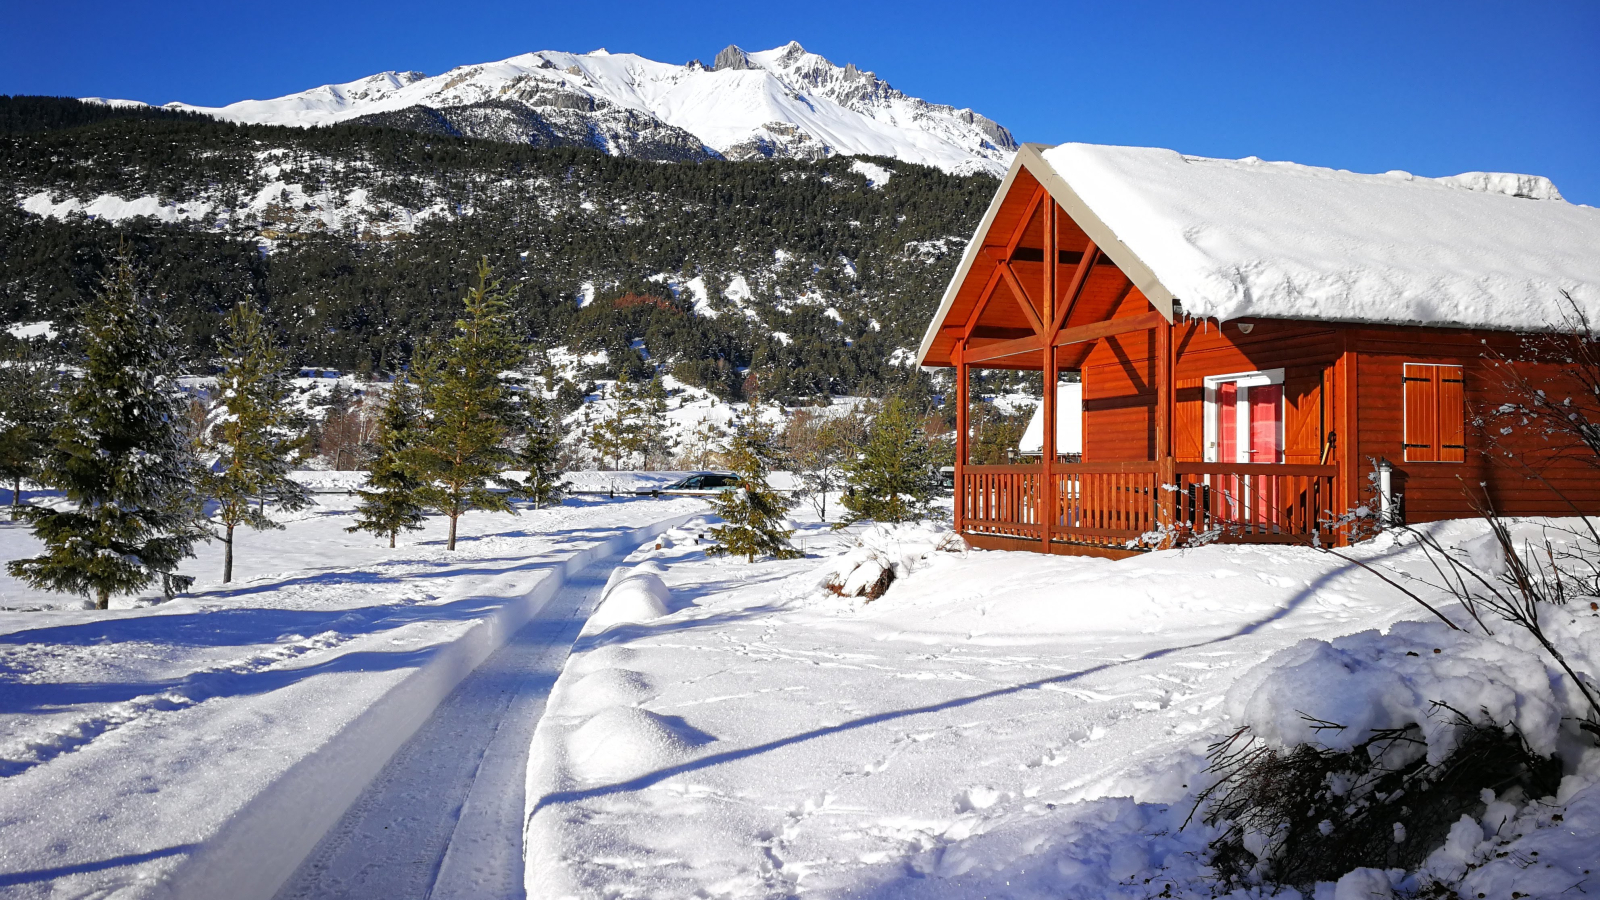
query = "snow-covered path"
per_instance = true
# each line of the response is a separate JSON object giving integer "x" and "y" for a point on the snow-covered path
{"x": 444, "y": 817}
{"x": 201, "y": 748}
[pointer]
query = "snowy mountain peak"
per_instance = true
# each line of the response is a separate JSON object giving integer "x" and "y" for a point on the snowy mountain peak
{"x": 782, "y": 102}
{"x": 732, "y": 57}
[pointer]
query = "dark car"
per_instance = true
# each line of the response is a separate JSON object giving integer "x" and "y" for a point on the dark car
{"x": 704, "y": 484}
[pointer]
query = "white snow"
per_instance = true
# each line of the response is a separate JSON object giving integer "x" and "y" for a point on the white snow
{"x": 1069, "y": 422}
{"x": 28, "y": 330}
{"x": 131, "y": 739}
{"x": 1235, "y": 238}
{"x": 113, "y": 208}
{"x": 790, "y": 98}
{"x": 877, "y": 176}
{"x": 1000, "y": 724}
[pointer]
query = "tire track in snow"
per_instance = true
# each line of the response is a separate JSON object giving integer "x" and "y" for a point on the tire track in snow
{"x": 444, "y": 817}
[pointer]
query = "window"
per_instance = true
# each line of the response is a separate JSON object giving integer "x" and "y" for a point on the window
{"x": 1435, "y": 413}
{"x": 1244, "y": 417}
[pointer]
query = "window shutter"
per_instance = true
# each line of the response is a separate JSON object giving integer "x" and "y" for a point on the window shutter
{"x": 1421, "y": 403}
{"x": 1452, "y": 414}
{"x": 1435, "y": 413}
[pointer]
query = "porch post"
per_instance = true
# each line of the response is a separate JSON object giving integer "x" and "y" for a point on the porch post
{"x": 1166, "y": 472}
{"x": 962, "y": 404}
{"x": 1049, "y": 504}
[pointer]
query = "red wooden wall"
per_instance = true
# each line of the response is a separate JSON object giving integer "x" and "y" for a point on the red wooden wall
{"x": 1326, "y": 365}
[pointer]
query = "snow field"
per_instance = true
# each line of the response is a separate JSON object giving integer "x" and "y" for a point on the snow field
{"x": 200, "y": 748}
{"x": 1000, "y": 724}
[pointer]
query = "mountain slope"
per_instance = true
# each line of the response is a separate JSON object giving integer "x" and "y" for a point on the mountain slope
{"x": 784, "y": 102}
{"x": 810, "y": 276}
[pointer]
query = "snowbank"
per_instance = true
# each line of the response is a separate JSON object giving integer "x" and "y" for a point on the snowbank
{"x": 639, "y": 597}
{"x": 1371, "y": 681}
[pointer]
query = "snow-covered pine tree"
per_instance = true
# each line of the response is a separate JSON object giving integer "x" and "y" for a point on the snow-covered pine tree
{"x": 392, "y": 500}
{"x": 28, "y": 411}
{"x": 468, "y": 409}
{"x": 754, "y": 512}
{"x": 893, "y": 479}
{"x": 119, "y": 455}
{"x": 252, "y": 433}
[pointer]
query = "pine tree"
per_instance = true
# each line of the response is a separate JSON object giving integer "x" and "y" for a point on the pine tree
{"x": 253, "y": 434}
{"x": 540, "y": 453}
{"x": 625, "y": 432}
{"x": 27, "y": 414}
{"x": 467, "y": 408}
{"x": 392, "y": 500}
{"x": 754, "y": 511}
{"x": 119, "y": 456}
{"x": 893, "y": 479}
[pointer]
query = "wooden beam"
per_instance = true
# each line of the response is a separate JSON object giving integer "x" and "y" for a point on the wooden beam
{"x": 982, "y": 304}
{"x": 1035, "y": 254}
{"x": 1027, "y": 219}
{"x": 962, "y": 413}
{"x": 1096, "y": 330}
{"x": 1021, "y": 295}
{"x": 1080, "y": 276}
{"x": 1048, "y": 504}
{"x": 1002, "y": 349}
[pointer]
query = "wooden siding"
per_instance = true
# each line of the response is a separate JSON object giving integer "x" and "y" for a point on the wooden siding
{"x": 1524, "y": 483}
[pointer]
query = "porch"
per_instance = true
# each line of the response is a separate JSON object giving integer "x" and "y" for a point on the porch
{"x": 1119, "y": 509}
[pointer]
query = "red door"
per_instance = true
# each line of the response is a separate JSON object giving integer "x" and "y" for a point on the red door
{"x": 1266, "y": 410}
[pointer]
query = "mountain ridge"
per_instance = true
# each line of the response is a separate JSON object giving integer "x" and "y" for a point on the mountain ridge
{"x": 785, "y": 102}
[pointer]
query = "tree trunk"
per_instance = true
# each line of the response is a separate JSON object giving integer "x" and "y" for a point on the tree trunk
{"x": 452, "y": 544}
{"x": 227, "y": 556}
{"x": 391, "y": 539}
{"x": 16, "y": 498}
{"x": 102, "y": 598}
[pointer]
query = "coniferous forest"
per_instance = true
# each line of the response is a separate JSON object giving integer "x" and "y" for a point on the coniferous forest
{"x": 357, "y": 243}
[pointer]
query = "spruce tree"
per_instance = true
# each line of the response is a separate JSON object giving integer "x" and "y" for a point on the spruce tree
{"x": 753, "y": 512}
{"x": 27, "y": 415}
{"x": 119, "y": 455}
{"x": 468, "y": 408}
{"x": 893, "y": 479}
{"x": 625, "y": 431}
{"x": 252, "y": 435}
{"x": 539, "y": 453}
{"x": 392, "y": 500}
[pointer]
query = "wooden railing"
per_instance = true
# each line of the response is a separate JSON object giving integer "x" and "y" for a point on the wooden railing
{"x": 1255, "y": 502}
{"x": 1147, "y": 504}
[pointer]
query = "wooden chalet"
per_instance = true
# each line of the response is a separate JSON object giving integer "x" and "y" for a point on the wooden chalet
{"x": 1262, "y": 347}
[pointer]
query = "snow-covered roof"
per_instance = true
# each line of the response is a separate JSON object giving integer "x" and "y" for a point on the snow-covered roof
{"x": 1236, "y": 238}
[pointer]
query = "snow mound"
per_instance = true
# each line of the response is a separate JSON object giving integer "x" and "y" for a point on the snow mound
{"x": 638, "y": 598}
{"x": 626, "y": 742}
{"x": 605, "y": 689}
{"x": 885, "y": 553}
{"x": 1371, "y": 681}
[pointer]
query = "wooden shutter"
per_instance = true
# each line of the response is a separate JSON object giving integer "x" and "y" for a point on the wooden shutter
{"x": 1435, "y": 413}
{"x": 1452, "y": 414}
{"x": 1188, "y": 429}
{"x": 1303, "y": 432}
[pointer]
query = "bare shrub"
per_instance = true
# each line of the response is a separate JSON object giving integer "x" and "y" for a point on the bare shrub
{"x": 1309, "y": 814}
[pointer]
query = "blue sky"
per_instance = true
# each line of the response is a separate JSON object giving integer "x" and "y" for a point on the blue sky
{"x": 1431, "y": 87}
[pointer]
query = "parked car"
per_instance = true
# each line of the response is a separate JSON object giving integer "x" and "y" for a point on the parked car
{"x": 704, "y": 484}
